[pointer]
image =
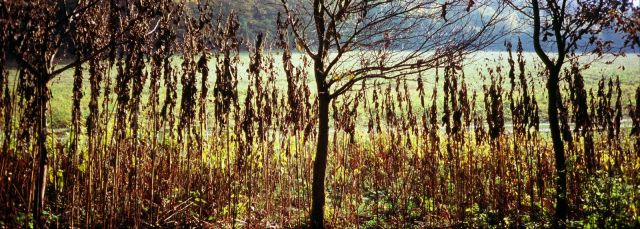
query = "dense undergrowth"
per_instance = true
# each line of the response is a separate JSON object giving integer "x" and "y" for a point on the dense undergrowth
{"x": 205, "y": 156}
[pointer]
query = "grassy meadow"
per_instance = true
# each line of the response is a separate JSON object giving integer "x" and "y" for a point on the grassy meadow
{"x": 476, "y": 67}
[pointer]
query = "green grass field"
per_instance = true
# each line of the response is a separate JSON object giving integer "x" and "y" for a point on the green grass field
{"x": 626, "y": 68}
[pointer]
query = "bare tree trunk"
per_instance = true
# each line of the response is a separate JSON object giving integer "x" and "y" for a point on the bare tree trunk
{"x": 562, "y": 207}
{"x": 320, "y": 163}
{"x": 41, "y": 177}
{"x": 553, "y": 89}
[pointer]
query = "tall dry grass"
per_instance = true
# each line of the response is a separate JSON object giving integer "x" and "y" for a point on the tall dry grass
{"x": 168, "y": 160}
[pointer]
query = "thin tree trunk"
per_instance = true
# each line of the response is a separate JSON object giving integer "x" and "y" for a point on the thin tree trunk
{"x": 41, "y": 177}
{"x": 554, "y": 98}
{"x": 320, "y": 163}
{"x": 562, "y": 207}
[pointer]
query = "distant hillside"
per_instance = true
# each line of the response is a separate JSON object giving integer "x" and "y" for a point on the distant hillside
{"x": 527, "y": 43}
{"x": 254, "y": 16}
{"x": 259, "y": 16}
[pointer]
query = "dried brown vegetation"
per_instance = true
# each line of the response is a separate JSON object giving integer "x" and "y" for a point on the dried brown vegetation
{"x": 167, "y": 160}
